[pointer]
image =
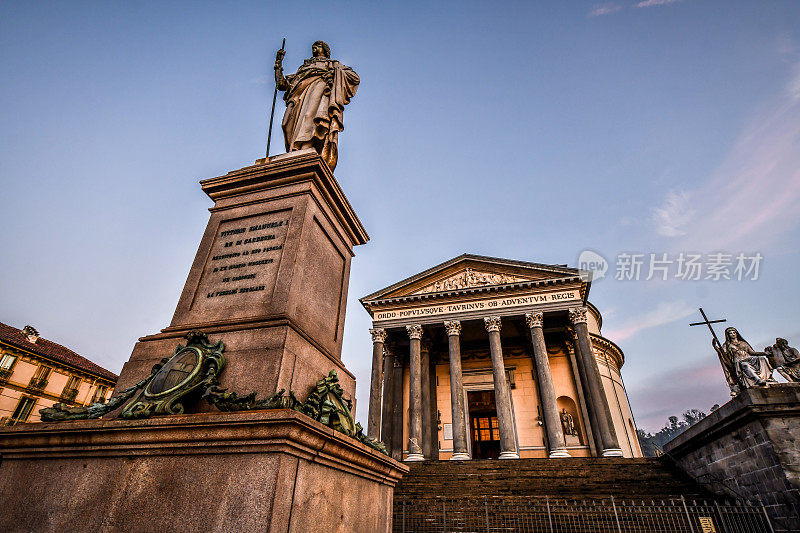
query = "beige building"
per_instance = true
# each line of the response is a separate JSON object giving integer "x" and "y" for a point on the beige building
{"x": 36, "y": 373}
{"x": 482, "y": 357}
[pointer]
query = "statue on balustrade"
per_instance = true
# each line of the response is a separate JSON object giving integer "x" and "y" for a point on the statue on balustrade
{"x": 784, "y": 359}
{"x": 744, "y": 367}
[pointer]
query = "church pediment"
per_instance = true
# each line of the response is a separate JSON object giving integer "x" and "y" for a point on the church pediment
{"x": 469, "y": 278}
{"x": 469, "y": 272}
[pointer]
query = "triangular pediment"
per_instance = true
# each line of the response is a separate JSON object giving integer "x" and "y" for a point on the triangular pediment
{"x": 470, "y": 272}
{"x": 469, "y": 278}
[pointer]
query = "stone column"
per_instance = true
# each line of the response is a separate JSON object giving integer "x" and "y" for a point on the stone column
{"x": 502, "y": 398}
{"x": 397, "y": 408}
{"x": 544, "y": 381}
{"x": 388, "y": 393}
{"x": 425, "y": 395}
{"x": 597, "y": 396}
{"x": 457, "y": 392}
{"x": 374, "y": 417}
{"x": 415, "y": 395}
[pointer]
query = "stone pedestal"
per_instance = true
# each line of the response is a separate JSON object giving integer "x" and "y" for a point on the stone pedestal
{"x": 274, "y": 471}
{"x": 749, "y": 448}
{"x": 270, "y": 277}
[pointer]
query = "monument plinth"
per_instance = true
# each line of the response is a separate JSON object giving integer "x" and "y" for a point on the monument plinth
{"x": 262, "y": 310}
{"x": 270, "y": 277}
{"x": 272, "y": 471}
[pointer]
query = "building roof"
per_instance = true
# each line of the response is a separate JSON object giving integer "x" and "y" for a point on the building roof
{"x": 548, "y": 274}
{"x": 52, "y": 350}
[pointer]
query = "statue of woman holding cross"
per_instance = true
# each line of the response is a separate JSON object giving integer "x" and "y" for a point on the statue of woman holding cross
{"x": 745, "y": 367}
{"x": 315, "y": 97}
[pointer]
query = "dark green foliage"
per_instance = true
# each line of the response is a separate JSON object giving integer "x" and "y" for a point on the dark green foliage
{"x": 652, "y": 443}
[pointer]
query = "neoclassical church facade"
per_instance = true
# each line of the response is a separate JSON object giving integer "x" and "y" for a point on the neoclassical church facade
{"x": 481, "y": 357}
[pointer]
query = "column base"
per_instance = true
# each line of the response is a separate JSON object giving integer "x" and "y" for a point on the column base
{"x": 508, "y": 455}
{"x": 612, "y": 452}
{"x": 559, "y": 452}
{"x": 414, "y": 457}
{"x": 460, "y": 457}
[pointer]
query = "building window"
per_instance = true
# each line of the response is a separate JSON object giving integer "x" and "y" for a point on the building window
{"x": 40, "y": 377}
{"x": 486, "y": 428}
{"x": 70, "y": 392}
{"x": 6, "y": 362}
{"x": 23, "y": 410}
{"x": 100, "y": 394}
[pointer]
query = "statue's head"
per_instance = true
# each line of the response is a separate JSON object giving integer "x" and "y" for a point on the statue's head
{"x": 321, "y": 48}
{"x": 782, "y": 343}
{"x": 731, "y": 334}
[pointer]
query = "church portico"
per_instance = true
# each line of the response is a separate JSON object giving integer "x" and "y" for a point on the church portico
{"x": 501, "y": 362}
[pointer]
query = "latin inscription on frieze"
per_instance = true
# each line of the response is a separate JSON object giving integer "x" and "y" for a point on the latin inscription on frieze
{"x": 479, "y": 305}
{"x": 244, "y": 259}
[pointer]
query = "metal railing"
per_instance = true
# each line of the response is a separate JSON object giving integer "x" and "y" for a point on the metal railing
{"x": 37, "y": 383}
{"x": 545, "y": 515}
{"x": 69, "y": 395}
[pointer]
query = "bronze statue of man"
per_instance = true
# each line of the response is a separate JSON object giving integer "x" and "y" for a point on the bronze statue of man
{"x": 315, "y": 97}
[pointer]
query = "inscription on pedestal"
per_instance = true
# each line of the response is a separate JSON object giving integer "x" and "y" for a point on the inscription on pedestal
{"x": 244, "y": 259}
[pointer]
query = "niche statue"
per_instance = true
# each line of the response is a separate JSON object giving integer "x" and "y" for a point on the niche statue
{"x": 315, "y": 97}
{"x": 568, "y": 423}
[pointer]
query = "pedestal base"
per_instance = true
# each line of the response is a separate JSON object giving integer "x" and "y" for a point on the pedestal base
{"x": 748, "y": 448}
{"x": 612, "y": 452}
{"x": 508, "y": 455}
{"x": 559, "y": 452}
{"x": 270, "y": 279}
{"x": 460, "y": 457}
{"x": 414, "y": 457}
{"x": 274, "y": 471}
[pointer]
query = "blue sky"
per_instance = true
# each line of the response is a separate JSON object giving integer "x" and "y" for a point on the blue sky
{"x": 522, "y": 130}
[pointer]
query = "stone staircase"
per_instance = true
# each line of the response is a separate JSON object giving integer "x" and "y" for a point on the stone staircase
{"x": 573, "y": 478}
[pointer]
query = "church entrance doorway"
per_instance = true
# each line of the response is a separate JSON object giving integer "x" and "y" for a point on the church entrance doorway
{"x": 484, "y": 429}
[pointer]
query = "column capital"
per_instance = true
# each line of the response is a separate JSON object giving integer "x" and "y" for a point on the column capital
{"x": 378, "y": 335}
{"x": 577, "y": 315}
{"x": 453, "y": 327}
{"x": 414, "y": 331}
{"x": 534, "y": 320}
{"x": 492, "y": 323}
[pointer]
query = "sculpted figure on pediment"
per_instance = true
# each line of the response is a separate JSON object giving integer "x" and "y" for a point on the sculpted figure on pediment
{"x": 470, "y": 278}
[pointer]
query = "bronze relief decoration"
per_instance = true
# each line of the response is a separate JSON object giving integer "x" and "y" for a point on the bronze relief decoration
{"x": 191, "y": 374}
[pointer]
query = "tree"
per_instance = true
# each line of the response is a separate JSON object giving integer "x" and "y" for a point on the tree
{"x": 652, "y": 444}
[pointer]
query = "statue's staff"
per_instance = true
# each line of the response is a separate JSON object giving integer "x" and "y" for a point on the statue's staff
{"x": 281, "y": 52}
{"x": 715, "y": 342}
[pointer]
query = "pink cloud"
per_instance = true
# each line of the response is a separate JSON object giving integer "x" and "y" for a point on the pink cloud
{"x": 604, "y": 9}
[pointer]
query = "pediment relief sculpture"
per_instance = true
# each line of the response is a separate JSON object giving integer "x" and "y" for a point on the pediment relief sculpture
{"x": 468, "y": 279}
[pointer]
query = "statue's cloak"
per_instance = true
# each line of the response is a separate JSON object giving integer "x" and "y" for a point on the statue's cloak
{"x": 315, "y": 103}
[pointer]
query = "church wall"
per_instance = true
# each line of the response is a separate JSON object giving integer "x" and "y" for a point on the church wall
{"x": 620, "y": 410}
{"x": 525, "y": 400}
{"x": 564, "y": 386}
{"x": 406, "y": 404}
{"x": 444, "y": 406}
